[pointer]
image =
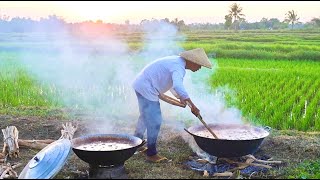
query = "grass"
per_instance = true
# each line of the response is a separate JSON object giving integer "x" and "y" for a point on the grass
{"x": 272, "y": 75}
{"x": 273, "y": 93}
{"x": 308, "y": 169}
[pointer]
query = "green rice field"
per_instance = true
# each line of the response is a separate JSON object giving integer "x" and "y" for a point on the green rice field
{"x": 274, "y": 75}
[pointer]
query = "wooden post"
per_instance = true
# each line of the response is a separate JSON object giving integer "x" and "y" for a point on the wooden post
{"x": 10, "y": 139}
{"x": 68, "y": 131}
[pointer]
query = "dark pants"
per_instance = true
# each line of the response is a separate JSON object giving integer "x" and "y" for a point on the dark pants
{"x": 150, "y": 119}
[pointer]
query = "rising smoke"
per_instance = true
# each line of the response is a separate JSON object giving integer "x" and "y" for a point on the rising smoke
{"x": 94, "y": 76}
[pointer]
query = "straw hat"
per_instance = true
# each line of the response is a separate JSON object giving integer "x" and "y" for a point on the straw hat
{"x": 197, "y": 56}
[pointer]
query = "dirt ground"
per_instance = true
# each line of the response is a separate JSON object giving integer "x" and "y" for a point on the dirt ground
{"x": 290, "y": 147}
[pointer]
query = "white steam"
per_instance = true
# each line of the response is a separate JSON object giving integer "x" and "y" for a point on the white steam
{"x": 94, "y": 76}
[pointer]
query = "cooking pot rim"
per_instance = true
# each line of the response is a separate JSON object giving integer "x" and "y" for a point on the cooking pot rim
{"x": 194, "y": 128}
{"x": 131, "y": 138}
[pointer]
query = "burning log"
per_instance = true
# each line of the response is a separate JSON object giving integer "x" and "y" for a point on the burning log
{"x": 10, "y": 139}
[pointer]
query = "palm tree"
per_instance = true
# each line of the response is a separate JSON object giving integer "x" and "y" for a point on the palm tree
{"x": 228, "y": 22}
{"x": 291, "y": 17}
{"x": 235, "y": 13}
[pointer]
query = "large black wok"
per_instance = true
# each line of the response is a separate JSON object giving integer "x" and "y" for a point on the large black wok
{"x": 228, "y": 147}
{"x": 106, "y": 157}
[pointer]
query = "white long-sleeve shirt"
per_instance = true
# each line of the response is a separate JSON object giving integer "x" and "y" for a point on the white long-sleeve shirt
{"x": 160, "y": 76}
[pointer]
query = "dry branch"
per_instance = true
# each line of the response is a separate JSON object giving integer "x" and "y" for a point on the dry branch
{"x": 31, "y": 144}
{"x": 224, "y": 174}
{"x": 68, "y": 131}
{"x": 263, "y": 161}
{"x": 35, "y": 144}
{"x": 45, "y": 141}
{"x": 242, "y": 165}
{"x": 7, "y": 171}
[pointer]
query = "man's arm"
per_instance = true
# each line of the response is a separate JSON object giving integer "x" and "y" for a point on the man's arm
{"x": 173, "y": 92}
{"x": 171, "y": 100}
{"x": 177, "y": 79}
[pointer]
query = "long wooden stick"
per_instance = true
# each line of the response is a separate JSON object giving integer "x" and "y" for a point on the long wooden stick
{"x": 204, "y": 123}
{"x": 263, "y": 161}
{"x": 45, "y": 141}
{"x": 34, "y": 145}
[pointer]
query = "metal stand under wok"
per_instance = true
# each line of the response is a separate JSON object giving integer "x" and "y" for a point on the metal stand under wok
{"x": 107, "y": 172}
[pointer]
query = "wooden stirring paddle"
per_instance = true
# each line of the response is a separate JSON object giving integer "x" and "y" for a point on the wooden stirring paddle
{"x": 204, "y": 123}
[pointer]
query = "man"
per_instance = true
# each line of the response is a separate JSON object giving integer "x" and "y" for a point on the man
{"x": 150, "y": 85}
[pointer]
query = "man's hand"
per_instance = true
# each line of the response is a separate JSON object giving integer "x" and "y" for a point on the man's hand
{"x": 195, "y": 111}
{"x": 183, "y": 102}
{"x": 193, "y": 108}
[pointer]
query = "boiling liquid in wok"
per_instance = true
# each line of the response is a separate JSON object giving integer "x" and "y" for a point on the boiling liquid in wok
{"x": 234, "y": 134}
{"x": 103, "y": 146}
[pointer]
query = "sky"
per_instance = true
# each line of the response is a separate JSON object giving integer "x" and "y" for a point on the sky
{"x": 135, "y": 11}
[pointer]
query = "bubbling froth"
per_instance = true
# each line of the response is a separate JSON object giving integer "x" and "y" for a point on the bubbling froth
{"x": 234, "y": 134}
{"x": 104, "y": 146}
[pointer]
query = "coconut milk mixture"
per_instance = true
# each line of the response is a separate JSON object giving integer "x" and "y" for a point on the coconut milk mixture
{"x": 234, "y": 134}
{"x": 104, "y": 146}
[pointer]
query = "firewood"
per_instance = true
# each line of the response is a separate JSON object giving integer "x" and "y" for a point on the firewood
{"x": 12, "y": 173}
{"x": 17, "y": 165}
{"x": 11, "y": 141}
{"x": 256, "y": 164}
{"x": 224, "y": 174}
{"x": 205, "y": 173}
{"x": 68, "y": 131}
{"x": 7, "y": 176}
{"x": 236, "y": 175}
{"x": 2, "y": 169}
{"x": 263, "y": 161}
{"x": 11, "y": 146}
{"x": 79, "y": 173}
{"x": 245, "y": 164}
{"x": 33, "y": 145}
{"x": 203, "y": 161}
{"x": 249, "y": 160}
{"x": 7, "y": 171}
{"x": 45, "y": 141}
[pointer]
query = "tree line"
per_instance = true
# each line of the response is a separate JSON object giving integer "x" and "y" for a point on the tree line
{"x": 234, "y": 20}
